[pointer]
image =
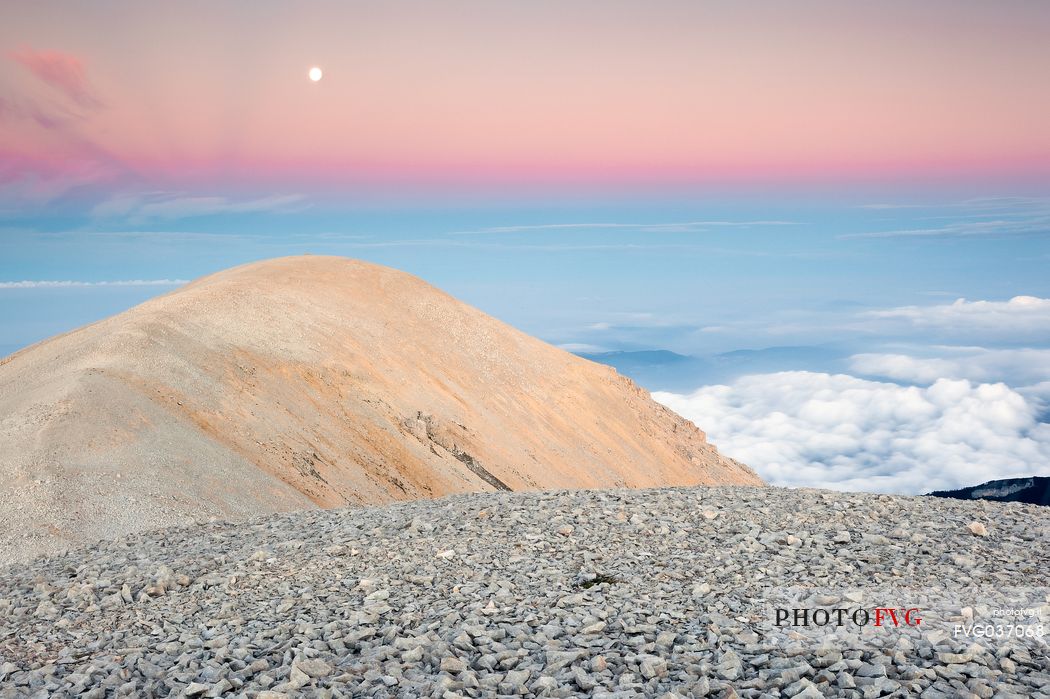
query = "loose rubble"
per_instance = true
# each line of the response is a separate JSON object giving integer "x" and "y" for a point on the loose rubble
{"x": 664, "y": 593}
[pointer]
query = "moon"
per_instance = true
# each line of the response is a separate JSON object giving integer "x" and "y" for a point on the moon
{"x": 315, "y": 74}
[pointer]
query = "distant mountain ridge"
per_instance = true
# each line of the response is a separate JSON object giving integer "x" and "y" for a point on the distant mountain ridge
{"x": 1034, "y": 490}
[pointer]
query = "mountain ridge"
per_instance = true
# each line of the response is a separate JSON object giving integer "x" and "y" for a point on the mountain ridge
{"x": 1034, "y": 490}
{"x": 309, "y": 382}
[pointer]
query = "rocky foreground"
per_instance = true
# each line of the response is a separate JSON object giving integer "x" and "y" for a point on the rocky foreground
{"x": 670, "y": 592}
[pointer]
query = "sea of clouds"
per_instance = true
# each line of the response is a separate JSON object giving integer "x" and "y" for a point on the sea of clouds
{"x": 943, "y": 416}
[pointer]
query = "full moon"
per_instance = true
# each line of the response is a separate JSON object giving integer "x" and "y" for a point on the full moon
{"x": 315, "y": 74}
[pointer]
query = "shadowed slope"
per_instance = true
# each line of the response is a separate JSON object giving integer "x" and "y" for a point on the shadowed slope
{"x": 311, "y": 381}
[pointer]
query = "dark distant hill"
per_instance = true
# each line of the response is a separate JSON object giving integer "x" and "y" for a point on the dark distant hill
{"x": 640, "y": 358}
{"x": 1034, "y": 490}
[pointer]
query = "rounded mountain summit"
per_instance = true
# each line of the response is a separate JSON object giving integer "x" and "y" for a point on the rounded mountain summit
{"x": 306, "y": 382}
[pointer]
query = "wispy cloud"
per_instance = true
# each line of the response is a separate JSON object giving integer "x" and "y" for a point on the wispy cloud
{"x": 351, "y": 242}
{"x": 998, "y": 216}
{"x": 51, "y": 119}
{"x": 138, "y": 207}
{"x": 1023, "y": 321}
{"x": 68, "y": 284}
{"x": 443, "y": 243}
{"x": 157, "y": 236}
{"x": 26, "y": 185}
{"x": 1037, "y": 225}
{"x": 62, "y": 71}
{"x": 673, "y": 227}
{"x": 975, "y": 203}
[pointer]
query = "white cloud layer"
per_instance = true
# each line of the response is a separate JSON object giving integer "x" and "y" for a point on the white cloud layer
{"x": 1019, "y": 319}
{"x": 846, "y": 433}
{"x": 1016, "y": 367}
{"x": 38, "y": 284}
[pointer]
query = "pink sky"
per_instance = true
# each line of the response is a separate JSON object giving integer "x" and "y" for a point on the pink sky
{"x": 537, "y": 92}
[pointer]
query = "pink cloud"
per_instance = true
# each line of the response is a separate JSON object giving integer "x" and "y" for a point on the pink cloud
{"x": 62, "y": 71}
{"x": 28, "y": 181}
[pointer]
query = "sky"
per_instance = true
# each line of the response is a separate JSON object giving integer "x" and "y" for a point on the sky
{"x": 809, "y": 204}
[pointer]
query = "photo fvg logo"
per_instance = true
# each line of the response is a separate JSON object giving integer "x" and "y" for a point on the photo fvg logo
{"x": 842, "y": 616}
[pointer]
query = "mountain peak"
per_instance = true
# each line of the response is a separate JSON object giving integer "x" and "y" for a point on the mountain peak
{"x": 312, "y": 381}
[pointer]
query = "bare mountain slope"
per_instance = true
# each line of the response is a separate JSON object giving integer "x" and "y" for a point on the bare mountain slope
{"x": 311, "y": 382}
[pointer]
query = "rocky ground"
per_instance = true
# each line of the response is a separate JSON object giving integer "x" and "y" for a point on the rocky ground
{"x": 670, "y": 592}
